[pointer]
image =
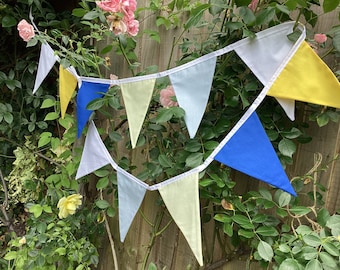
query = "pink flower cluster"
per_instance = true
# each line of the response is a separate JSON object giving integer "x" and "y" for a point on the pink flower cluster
{"x": 26, "y": 30}
{"x": 253, "y": 5}
{"x": 166, "y": 97}
{"x": 320, "y": 38}
{"x": 122, "y": 16}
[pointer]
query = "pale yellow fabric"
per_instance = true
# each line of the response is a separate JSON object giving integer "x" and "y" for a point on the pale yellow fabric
{"x": 137, "y": 97}
{"x": 182, "y": 200}
{"x": 67, "y": 85}
{"x": 307, "y": 78}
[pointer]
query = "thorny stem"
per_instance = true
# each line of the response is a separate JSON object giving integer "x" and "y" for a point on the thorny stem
{"x": 126, "y": 57}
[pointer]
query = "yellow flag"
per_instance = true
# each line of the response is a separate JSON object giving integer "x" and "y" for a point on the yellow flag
{"x": 182, "y": 200}
{"x": 307, "y": 78}
{"x": 67, "y": 85}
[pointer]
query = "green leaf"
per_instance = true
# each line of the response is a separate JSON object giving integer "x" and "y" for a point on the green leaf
{"x": 165, "y": 161}
{"x": 61, "y": 251}
{"x": 284, "y": 198}
{"x": 51, "y": 116}
{"x": 300, "y": 210}
{"x": 79, "y": 12}
{"x": 292, "y": 134}
{"x": 336, "y": 40}
{"x": 322, "y": 119}
{"x": 223, "y": 218}
{"x": 102, "y": 204}
{"x": 323, "y": 216}
{"x": 265, "y": 16}
{"x": 287, "y": 147}
{"x": 284, "y": 248}
{"x": 11, "y": 255}
{"x": 311, "y": 240}
{"x": 102, "y": 183}
{"x": 290, "y": 264}
{"x": 247, "y": 15}
{"x": 47, "y": 103}
{"x": 164, "y": 115}
{"x": 91, "y": 15}
{"x": 331, "y": 249}
{"x": 243, "y": 221}
{"x": 228, "y": 229}
{"x": 334, "y": 224}
{"x": 196, "y": 15}
{"x": 309, "y": 253}
{"x": 36, "y": 209}
{"x": 95, "y": 104}
{"x": 152, "y": 266}
{"x": 313, "y": 265}
{"x": 8, "y": 117}
{"x": 265, "y": 251}
{"x": 8, "y": 21}
{"x": 246, "y": 233}
{"x": 110, "y": 211}
{"x": 329, "y": 5}
{"x": 194, "y": 160}
{"x": 44, "y": 139}
{"x": 267, "y": 231}
{"x": 328, "y": 259}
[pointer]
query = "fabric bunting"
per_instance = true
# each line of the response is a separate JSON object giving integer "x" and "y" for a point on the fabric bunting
{"x": 182, "y": 200}
{"x": 47, "y": 60}
{"x": 130, "y": 197}
{"x": 88, "y": 92}
{"x": 137, "y": 97}
{"x": 192, "y": 87}
{"x": 95, "y": 154}
{"x": 263, "y": 56}
{"x": 67, "y": 86}
{"x": 250, "y": 151}
{"x": 307, "y": 78}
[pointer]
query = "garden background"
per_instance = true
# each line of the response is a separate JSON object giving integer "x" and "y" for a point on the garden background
{"x": 40, "y": 152}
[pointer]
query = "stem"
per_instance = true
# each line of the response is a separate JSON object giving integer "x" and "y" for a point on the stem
{"x": 5, "y": 203}
{"x": 107, "y": 227}
{"x": 126, "y": 57}
{"x": 157, "y": 223}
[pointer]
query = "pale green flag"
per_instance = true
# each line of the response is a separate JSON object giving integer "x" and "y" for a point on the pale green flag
{"x": 137, "y": 97}
{"x": 182, "y": 200}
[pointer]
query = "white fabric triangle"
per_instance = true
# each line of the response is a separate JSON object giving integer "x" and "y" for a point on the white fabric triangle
{"x": 46, "y": 61}
{"x": 288, "y": 105}
{"x": 95, "y": 154}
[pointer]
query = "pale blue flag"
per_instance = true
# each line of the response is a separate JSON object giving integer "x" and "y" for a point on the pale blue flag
{"x": 192, "y": 87}
{"x": 95, "y": 154}
{"x": 130, "y": 197}
{"x": 47, "y": 60}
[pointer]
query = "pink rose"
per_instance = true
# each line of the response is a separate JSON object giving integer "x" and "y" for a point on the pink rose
{"x": 26, "y": 30}
{"x": 166, "y": 96}
{"x": 133, "y": 27}
{"x": 253, "y": 5}
{"x": 320, "y": 38}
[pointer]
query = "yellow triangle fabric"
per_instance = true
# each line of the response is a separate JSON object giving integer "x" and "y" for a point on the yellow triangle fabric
{"x": 307, "y": 78}
{"x": 137, "y": 97}
{"x": 67, "y": 85}
{"x": 182, "y": 200}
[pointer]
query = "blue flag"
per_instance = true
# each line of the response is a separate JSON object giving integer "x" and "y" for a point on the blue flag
{"x": 130, "y": 197}
{"x": 250, "y": 151}
{"x": 88, "y": 91}
{"x": 192, "y": 87}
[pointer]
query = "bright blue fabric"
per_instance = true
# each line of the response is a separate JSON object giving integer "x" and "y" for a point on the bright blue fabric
{"x": 250, "y": 151}
{"x": 88, "y": 92}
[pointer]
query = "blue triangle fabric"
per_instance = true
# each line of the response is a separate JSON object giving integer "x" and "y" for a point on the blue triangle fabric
{"x": 88, "y": 91}
{"x": 250, "y": 151}
{"x": 130, "y": 197}
{"x": 192, "y": 87}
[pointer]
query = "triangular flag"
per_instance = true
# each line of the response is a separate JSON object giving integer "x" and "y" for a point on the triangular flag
{"x": 46, "y": 61}
{"x": 307, "y": 78}
{"x": 263, "y": 56}
{"x": 288, "y": 106}
{"x": 67, "y": 85}
{"x": 182, "y": 200}
{"x": 250, "y": 151}
{"x": 88, "y": 91}
{"x": 95, "y": 154}
{"x": 137, "y": 97}
{"x": 192, "y": 87}
{"x": 130, "y": 197}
